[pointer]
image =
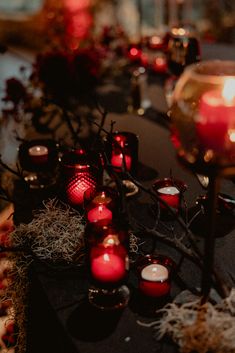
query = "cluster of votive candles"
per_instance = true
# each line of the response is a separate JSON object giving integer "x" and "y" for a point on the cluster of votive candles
{"x": 108, "y": 253}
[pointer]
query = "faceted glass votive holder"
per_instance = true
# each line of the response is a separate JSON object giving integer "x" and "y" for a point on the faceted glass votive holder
{"x": 79, "y": 173}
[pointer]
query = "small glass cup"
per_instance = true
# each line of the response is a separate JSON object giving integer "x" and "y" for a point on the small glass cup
{"x": 171, "y": 191}
{"x": 122, "y": 143}
{"x": 154, "y": 274}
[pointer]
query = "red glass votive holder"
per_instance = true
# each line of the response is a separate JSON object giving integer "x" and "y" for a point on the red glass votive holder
{"x": 109, "y": 263}
{"x": 123, "y": 146}
{"x": 154, "y": 274}
{"x": 170, "y": 190}
{"x": 100, "y": 204}
{"x": 80, "y": 173}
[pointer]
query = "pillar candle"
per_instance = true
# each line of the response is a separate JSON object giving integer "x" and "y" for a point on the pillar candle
{"x": 215, "y": 124}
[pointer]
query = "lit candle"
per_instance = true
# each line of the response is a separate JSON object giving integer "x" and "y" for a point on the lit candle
{"x": 99, "y": 213}
{"x": 117, "y": 161}
{"x": 154, "y": 280}
{"x": 215, "y": 124}
{"x": 108, "y": 267}
{"x": 171, "y": 195}
{"x": 160, "y": 65}
{"x": 135, "y": 54}
{"x": 101, "y": 198}
{"x": 38, "y": 154}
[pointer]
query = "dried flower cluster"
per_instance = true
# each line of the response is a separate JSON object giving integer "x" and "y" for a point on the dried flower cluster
{"x": 200, "y": 328}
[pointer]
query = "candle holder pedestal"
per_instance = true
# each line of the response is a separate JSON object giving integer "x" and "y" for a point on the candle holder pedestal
{"x": 109, "y": 298}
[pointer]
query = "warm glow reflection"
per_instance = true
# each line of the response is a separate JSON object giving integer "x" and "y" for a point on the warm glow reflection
{"x": 231, "y": 135}
{"x": 134, "y": 51}
{"x": 228, "y": 92}
{"x": 160, "y": 61}
{"x": 178, "y": 31}
{"x": 106, "y": 257}
{"x": 156, "y": 40}
{"x": 111, "y": 240}
{"x": 75, "y": 5}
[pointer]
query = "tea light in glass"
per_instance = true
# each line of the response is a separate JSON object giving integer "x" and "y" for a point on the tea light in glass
{"x": 155, "y": 275}
{"x": 38, "y": 154}
{"x": 171, "y": 191}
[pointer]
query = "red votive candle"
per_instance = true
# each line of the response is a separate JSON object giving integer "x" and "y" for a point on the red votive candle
{"x": 154, "y": 280}
{"x": 38, "y": 154}
{"x": 160, "y": 64}
{"x": 108, "y": 260}
{"x": 117, "y": 161}
{"x": 216, "y": 123}
{"x": 170, "y": 191}
{"x": 99, "y": 213}
{"x": 99, "y": 204}
{"x": 171, "y": 195}
{"x": 155, "y": 275}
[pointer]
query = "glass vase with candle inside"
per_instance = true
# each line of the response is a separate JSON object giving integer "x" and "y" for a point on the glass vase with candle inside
{"x": 123, "y": 146}
{"x": 109, "y": 264}
{"x": 80, "y": 172}
{"x": 203, "y": 116}
{"x": 100, "y": 204}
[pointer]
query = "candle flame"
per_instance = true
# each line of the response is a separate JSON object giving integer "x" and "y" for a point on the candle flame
{"x": 231, "y": 134}
{"x": 106, "y": 257}
{"x": 228, "y": 92}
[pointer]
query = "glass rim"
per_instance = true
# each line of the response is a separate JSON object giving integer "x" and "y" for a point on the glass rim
{"x": 214, "y": 78}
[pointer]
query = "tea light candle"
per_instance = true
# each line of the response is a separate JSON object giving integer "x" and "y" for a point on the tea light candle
{"x": 215, "y": 123}
{"x": 99, "y": 213}
{"x": 171, "y": 195}
{"x": 154, "y": 281}
{"x": 117, "y": 161}
{"x": 108, "y": 268}
{"x": 38, "y": 154}
{"x": 101, "y": 198}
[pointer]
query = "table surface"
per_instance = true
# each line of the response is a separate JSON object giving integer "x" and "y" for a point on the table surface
{"x": 64, "y": 294}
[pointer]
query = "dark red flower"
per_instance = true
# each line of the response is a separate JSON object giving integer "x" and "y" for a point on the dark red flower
{"x": 15, "y": 91}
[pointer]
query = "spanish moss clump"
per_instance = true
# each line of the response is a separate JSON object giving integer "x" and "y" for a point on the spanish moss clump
{"x": 54, "y": 235}
{"x": 200, "y": 328}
